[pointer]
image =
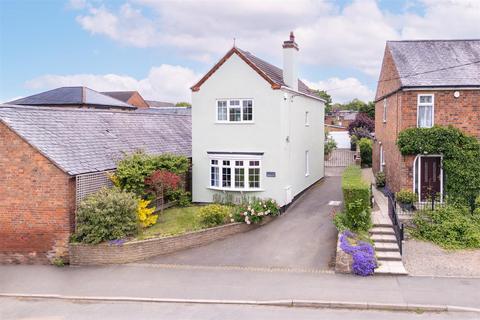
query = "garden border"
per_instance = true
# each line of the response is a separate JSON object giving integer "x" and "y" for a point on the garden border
{"x": 131, "y": 251}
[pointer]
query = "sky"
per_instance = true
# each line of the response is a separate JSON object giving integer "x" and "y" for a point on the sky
{"x": 162, "y": 47}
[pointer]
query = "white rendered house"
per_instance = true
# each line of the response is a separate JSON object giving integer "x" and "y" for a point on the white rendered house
{"x": 256, "y": 130}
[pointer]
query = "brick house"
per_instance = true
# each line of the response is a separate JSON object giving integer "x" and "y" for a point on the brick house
{"x": 424, "y": 83}
{"x": 131, "y": 97}
{"x": 51, "y": 157}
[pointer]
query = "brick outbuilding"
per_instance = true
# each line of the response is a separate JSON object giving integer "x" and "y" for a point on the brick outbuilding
{"x": 424, "y": 83}
{"x": 49, "y": 155}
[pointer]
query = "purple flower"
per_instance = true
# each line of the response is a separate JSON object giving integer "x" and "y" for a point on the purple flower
{"x": 364, "y": 262}
{"x": 117, "y": 242}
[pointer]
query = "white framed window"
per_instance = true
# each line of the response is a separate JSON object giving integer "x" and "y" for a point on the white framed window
{"x": 382, "y": 158}
{"x": 235, "y": 172}
{"x": 307, "y": 120}
{"x": 384, "y": 110}
{"x": 425, "y": 110}
{"x": 234, "y": 111}
{"x": 307, "y": 163}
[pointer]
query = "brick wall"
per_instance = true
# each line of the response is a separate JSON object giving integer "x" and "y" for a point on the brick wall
{"x": 462, "y": 112}
{"x": 37, "y": 202}
{"x": 137, "y": 101}
{"x": 82, "y": 254}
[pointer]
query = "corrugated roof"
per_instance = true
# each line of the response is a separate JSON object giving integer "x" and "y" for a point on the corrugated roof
{"x": 88, "y": 140}
{"x": 425, "y": 63}
{"x": 71, "y": 96}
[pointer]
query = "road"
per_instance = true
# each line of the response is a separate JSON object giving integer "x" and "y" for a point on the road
{"x": 15, "y": 309}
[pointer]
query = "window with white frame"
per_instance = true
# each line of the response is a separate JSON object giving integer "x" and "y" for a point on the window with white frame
{"x": 385, "y": 110}
{"x": 235, "y": 174}
{"x": 425, "y": 111}
{"x": 307, "y": 163}
{"x": 234, "y": 110}
{"x": 307, "y": 120}
{"x": 382, "y": 158}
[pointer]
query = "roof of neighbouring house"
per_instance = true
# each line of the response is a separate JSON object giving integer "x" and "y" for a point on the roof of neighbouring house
{"x": 271, "y": 73}
{"x": 72, "y": 96}
{"x": 167, "y": 110}
{"x": 125, "y": 96}
{"x": 159, "y": 104}
{"x": 91, "y": 140}
{"x": 437, "y": 63}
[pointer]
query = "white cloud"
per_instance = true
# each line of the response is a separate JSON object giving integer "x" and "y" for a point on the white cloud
{"x": 343, "y": 90}
{"x": 350, "y": 37}
{"x": 164, "y": 83}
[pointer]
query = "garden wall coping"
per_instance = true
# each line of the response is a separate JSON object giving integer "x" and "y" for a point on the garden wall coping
{"x": 131, "y": 251}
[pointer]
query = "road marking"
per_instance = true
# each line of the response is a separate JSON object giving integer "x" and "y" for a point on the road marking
{"x": 239, "y": 268}
{"x": 335, "y": 203}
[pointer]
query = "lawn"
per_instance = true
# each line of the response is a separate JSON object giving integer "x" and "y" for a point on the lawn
{"x": 174, "y": 221}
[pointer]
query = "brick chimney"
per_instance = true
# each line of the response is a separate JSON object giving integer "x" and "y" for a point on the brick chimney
{"x": 290, "y": 63}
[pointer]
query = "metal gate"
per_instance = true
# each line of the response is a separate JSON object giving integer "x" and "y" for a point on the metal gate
{"x": 340, "y": 158}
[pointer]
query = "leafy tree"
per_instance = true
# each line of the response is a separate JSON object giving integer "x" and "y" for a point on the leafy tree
{"x": 328, "y": 99}
{"x": 183, "y": 104}
{"x": 368, "y": 109}
{"x": 362, "y": 124}
{"x": 161, "y": 181}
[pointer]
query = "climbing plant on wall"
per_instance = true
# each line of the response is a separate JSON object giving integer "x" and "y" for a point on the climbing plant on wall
{"x": 461, "y": 158}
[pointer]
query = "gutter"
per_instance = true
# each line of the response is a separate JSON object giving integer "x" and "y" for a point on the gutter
{"x": 429, "y": 88}
{"x": 302, "y": 94}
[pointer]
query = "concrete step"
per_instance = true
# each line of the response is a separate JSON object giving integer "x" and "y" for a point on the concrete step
{"x": 386, "y": 246}
{"x": 384, "y": 238}
{"x": 390, "y": 268}
{"x": 388, "y": 256}
{"x": 382, "y": 230}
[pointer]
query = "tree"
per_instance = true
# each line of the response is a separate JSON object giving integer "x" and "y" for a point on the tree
{"x": 368, "y": 109}
{"x": 328, "y": 99}
{"x": 183, "y": 104}
{"x": 161, "y": 181}
{"x": 362, "y": 126}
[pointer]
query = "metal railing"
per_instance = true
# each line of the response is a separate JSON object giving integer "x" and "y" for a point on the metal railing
{"x": 397, "y": 225}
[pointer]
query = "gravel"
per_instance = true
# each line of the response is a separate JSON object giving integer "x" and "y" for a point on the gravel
{"x": 427, "y": 259}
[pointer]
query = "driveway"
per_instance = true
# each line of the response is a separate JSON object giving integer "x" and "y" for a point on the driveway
{"x": 302, "y": 238}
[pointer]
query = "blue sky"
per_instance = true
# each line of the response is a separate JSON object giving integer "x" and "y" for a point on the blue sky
{"x": 161, "y": 47}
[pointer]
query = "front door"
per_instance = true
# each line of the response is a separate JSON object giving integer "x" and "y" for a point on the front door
{"x": 430, "y": 177}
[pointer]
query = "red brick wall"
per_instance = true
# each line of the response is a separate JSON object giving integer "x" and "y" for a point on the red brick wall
{"x": 37, "y": 203}
{"x": 137, "y": 101}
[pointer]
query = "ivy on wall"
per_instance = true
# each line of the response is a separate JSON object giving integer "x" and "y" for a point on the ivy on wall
{"x": 461, "y": 158}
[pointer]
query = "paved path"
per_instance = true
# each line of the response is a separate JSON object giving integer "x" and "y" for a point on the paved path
{"x": 303, "y": 238}
{"x": 56, "y": 310}
{"x": 217, "y": 283}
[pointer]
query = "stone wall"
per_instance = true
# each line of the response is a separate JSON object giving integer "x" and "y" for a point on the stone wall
{"x": 37, "y": 203}
{"x": 343, "y": 261}
{"x": 105, "y": 253}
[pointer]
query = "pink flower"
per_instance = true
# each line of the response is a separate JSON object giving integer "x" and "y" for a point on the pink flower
{"x": 248, "y": 222}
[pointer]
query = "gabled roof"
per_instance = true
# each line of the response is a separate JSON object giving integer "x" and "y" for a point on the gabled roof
{"x": 437, "y": 63}
{"x": 72, "y": 96}
{"x": 120, "y": 95}
{"x": 90, "y": 140}
{"x": 272, "y": 74}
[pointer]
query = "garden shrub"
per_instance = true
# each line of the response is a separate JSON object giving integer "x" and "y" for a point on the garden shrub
{"x": 109, "y": 214}
{"x": 330, "y": 145}
{"x": 255, "y": 210}
{"x": 365, "y": 145}
{"x": 451, "y": 227}
{"x": 406, "y": 196}
{"x": 356, "y": 195}
{"x": 214, "y": 214}
{"x": 146, "y": 215}
{"x": 380, "y": 179}
{"x": 363, "y": 253}
{"x": 134, "y": 168}
{"x": 461, "y": 158}
{"x": 362, "y": 126}
{"x": 182, "y": 197}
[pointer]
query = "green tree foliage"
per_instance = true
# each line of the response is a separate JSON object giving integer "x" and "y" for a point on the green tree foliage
{"x": 183, "y": 104}
{"x": 357, "y": 105}
{"x": 324, "y": 95}
{"x": 109, "y": 214}
{"x": 368, "y": 109}
{"x": 461, "y": 158}
{"x": 134, "y": 168}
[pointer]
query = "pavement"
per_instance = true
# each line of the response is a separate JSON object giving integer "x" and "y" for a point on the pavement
{"x": 303, "y": 238}
{"x": 56, "y": 310}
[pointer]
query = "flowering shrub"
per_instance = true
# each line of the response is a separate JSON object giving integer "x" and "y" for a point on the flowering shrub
{"x": 161, "y": 181}
{"x": 363, "y": 254}
{"x": 146, "y": 215}
{"x": 255, "y": 210}
{"x": 213, "y": 215}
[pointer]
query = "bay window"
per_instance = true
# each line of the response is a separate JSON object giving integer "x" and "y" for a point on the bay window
{"x": 241, "y": 173}
{"x": 425, "y": 111}
{"x": 234, "y": 110}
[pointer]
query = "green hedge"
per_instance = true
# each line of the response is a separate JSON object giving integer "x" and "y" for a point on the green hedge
{"x": 365, "y": 145}
{"x": 356, "y": 196}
